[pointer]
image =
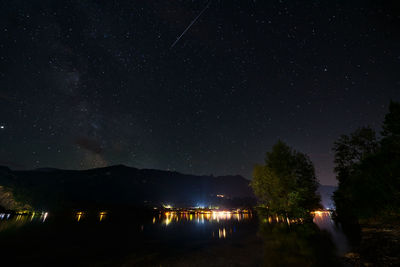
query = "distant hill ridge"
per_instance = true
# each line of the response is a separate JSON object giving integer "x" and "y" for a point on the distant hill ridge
{"x": 50, "y": 188}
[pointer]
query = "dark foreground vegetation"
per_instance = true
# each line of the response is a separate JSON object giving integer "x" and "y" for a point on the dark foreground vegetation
{"x": 367, "y": 199}
{"x": 368, "y": 196}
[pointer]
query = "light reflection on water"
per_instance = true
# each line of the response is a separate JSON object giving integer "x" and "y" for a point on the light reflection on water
{"x": 323, "y": 219}
{"x": 79, "y": 215}
{"x": 164, "y": 218}
{"x": 218, "y": 217}
{"x": 102, "y": 215}
{"x": 223, "y": 221}
{"x": 200, "y": 217}
{"x": 282, "y": 219}
{"x": 214, "y": 225}
{"x": 25, "y": 217}
{"x": 8, "y": 220}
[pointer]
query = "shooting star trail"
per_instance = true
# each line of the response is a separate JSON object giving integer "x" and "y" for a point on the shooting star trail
{"x": 190, "y": 25}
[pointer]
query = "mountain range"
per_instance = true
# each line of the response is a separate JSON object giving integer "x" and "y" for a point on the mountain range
{"x": 52, "y": 189}
{"x": 122, "y": 186}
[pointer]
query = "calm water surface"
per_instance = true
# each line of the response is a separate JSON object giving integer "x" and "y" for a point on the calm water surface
{"x": 213, "y": 238}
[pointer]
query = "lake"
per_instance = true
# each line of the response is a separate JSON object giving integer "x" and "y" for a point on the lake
{"x": 168, "y": 238}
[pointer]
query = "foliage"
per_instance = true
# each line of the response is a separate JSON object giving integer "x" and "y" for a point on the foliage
{"x": 8, "y": 202}
{"x": 368, "y": 170}
{"x": 391, "y": 124}
{"x": 286, "y": 184}
{"x": 350, "y": 150}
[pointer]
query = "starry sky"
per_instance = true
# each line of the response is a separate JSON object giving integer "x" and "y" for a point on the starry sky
{"x": 87, "y": 84}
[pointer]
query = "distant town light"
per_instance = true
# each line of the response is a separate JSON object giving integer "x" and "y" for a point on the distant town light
{"x": 79, "y": 215}
{"x": 200, "y": 206}
{"x": 167, "y": 206}
{"x": 102, "y": 215}
{"x": 45, "y": 216}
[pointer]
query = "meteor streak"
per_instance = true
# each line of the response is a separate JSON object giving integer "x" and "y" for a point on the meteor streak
{"x": 190, "y": 25}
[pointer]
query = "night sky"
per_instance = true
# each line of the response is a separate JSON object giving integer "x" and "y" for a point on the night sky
{"x": 87, "y": 84}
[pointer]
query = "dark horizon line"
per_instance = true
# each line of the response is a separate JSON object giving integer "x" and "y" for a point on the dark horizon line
{"x": 126, "y": 166}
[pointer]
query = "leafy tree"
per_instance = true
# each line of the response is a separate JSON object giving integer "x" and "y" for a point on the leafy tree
{"x": 391, "y": 125}
{"x": 286, "y": 184}
{"x": 368, "y": 170}
{"x": 391, "y": 154}
{"x": 350, "y": 150}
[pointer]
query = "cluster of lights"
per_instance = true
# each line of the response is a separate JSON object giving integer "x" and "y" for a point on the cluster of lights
{"x": 4, "y": 215}
{"x": 80, "y": 215}
{"x": 282, "y": 219}
{"x": 24, "y": 215}
{"x": 201, "y": 216}
{"x": 318, "y": 214}
{"x": 167, "y": 206}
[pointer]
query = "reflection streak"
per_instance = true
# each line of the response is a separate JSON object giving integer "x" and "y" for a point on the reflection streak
{"x": 200, "y": 217}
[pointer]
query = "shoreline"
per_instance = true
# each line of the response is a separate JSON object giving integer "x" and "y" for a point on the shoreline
{"x": 379, "y": 245}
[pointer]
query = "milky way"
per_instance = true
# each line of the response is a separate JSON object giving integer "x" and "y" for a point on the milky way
{"x": 93, "y": 83}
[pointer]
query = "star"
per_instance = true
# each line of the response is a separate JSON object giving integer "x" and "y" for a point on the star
{"x": 150, "y": 88}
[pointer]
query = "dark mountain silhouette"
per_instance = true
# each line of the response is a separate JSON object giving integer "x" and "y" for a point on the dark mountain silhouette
{"x": 121, "y": 186}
